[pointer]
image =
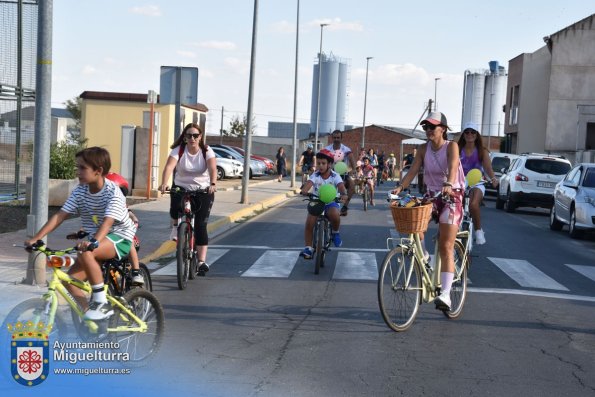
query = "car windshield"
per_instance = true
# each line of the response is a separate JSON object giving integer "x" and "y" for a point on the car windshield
{"x": 589, "y": 180}
{"x": 542, "y": 166}
{"x": 500, "y": 162}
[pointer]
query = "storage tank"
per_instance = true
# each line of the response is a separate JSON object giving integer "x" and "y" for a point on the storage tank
{"x": 494, "y": 100}
{"x": 473, "y": 97}
{"x": 333, "y": 93}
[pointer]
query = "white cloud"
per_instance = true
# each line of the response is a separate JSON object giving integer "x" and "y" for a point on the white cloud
{"x": 284, "y": 27}
{"x": 237, "y": 65}
{"x": 217, "y": 45}
{"x": 88, "y": 70}
{"x": 186, "y": 54}
{"x": 150, "y": 11}
{"x": 337, "y": 24}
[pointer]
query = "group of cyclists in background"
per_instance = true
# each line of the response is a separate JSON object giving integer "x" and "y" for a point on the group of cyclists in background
{"x": 100, "y": 197}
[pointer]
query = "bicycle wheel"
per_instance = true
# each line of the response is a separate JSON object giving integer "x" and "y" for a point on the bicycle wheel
{"x": 193, "y": 267}
{"x": 34, "y": 310}
{"x": 399, "y": 289}
{"x": 319, "y": 247}
{"x": 183, "y": 254}
{"x": 458, "y": 291}
{"x": 366, "y": 194}
{"x": 140, "y": 346}
{"x": 146, "y": 275}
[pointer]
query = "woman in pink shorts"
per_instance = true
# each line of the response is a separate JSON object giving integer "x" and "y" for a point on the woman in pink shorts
{"x": 442, "y": 173}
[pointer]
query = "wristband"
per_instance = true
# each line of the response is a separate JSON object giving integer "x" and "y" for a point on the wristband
{"x": 93, "y": 243}
{"x": 447, "y": 184}
{"x": 213, "y": 184}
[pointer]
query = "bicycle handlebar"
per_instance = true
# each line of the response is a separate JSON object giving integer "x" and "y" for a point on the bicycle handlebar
{"x": 179, "y": 190}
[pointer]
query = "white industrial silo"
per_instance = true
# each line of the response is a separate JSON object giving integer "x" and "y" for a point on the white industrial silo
{"x": 494, "y": 100}
{"x": 333, "y": 94}
{"x": 473, "y": 97}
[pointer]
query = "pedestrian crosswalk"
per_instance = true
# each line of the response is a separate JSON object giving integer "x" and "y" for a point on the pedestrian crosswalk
{"x": 363, "y": 265}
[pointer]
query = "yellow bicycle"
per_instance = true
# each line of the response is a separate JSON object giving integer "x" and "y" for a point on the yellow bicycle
{"x": 136, "y": 327}
{"x": 407, "y": 278}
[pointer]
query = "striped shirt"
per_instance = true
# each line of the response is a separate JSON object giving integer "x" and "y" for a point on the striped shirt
{"x": 93, "y": 208}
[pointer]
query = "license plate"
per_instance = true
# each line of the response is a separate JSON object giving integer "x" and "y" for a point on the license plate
{"x": 546, "y": 184}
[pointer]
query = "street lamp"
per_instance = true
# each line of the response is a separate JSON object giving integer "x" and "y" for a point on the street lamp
{"x": 295, "y": 88}
{"x": 435, "y": 91}
{"x": 322, "y": 25}
{"x": 365, "y": 100}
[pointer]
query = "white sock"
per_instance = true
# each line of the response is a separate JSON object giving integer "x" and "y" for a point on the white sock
{"x": 99, "y": 293}
{"x": 446, "y": 280}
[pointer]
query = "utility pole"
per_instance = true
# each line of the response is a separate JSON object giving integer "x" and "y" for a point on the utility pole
{"x": 322, "y": 25}
{"x": 295, "y": 88}
{"x": 221, "y": 129}
{"x": 365, "y": 100}
{"x": 43, "y": 127}
{"x": 248, "y": 146}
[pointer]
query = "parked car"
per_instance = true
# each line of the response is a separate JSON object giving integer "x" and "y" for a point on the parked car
{"x": 500, "y": 162}
{"x": 574, "y": 201}
{"x": 228, "y": 168}
{"x": 530, "y": 181}
{"x": 270, "y": 164}
{"x": 257, "y": 168}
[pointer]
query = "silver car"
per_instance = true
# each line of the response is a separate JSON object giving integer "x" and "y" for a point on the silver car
{"x": 574, "y": 201}
{"x": 228, "y": 168}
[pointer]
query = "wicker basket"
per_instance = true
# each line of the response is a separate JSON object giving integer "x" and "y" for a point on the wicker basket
{"x": 411, "y": 219}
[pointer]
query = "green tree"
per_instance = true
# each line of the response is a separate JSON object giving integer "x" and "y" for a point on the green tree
{"x": 74, "y": 107}
{"x": 62, "y": 160}
{"x": 237, "y": 127}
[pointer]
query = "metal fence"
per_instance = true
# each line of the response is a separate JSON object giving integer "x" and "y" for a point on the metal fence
{"x": 18, "y": 49}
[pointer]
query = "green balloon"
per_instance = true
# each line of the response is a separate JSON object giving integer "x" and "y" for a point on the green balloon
{"x": 327, "y": 193}
{"x": 340, "y": 168}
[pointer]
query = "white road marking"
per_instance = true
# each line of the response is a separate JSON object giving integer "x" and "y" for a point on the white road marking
{"x": 526, "y": 275}
{"x": 356, "y": 266}
{"x": 273, "y": 263}
{"x": 587, "y": 271}
{"x": 540, "y": 294}
{"x": 300, "y": 248}
{"x": 171, "y": 269}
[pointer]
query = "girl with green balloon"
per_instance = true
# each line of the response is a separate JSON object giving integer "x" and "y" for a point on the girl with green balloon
{"x": 475, "y": 159}
{"x": 324, "y": 183}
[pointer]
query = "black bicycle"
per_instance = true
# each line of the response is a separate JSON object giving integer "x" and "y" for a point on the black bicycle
{"x": 117, "y": 273}
{"x": 321, "y": 242}
{"x": 186, "y": 258}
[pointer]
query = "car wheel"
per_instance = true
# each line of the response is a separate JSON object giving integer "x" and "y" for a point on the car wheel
{"x": 220, "y": 173}
{"x": 572, "y": 230}
{"x": 555, "y": 224}
{"x": 499, "y": 202}
{"x": 509, "y": 205}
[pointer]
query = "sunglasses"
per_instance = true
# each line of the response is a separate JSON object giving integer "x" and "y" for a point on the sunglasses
{"x": 429, "y": 127}
{"x": 195, "y": 136}
{"x": 470, "y": 132}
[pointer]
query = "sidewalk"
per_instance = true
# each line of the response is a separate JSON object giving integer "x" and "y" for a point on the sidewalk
{"x": 153, "y": 232}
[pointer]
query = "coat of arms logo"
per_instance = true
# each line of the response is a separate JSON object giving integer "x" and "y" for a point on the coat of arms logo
{"x": 29, "y": 352}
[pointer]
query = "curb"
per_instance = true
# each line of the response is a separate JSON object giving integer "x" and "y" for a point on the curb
{"x": 224, "y": 223}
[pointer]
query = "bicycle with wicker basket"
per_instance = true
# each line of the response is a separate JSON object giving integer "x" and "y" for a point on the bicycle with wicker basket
{"x": 407, "y": 279}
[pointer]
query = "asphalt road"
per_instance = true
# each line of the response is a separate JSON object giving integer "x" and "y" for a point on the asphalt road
{"x": 261, "y": 323}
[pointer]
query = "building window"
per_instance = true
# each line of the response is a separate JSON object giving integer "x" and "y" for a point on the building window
{"x": 514, "y": 105}
{"x": 590, "y": 141}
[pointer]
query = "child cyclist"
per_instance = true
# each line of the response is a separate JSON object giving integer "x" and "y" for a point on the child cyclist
{"x": 103, "y": 212}
{"x": 323, "y": 175}
{"x": 122, "y": 183}
{"x": 368, "y": 174}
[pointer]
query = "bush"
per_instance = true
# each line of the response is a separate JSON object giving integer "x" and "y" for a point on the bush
{"x": 62, "y": 160}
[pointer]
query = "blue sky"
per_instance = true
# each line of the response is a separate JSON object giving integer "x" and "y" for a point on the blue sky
{"x": 119, "y": 45}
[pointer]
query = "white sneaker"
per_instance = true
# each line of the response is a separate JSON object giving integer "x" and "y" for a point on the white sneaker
{"x": 98, "y": 311}
{"x": 137, "y": 279}
{"x": 174, "y": 233}
{"x": 480, "y": 237}
{"x": 442, "y": 301}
